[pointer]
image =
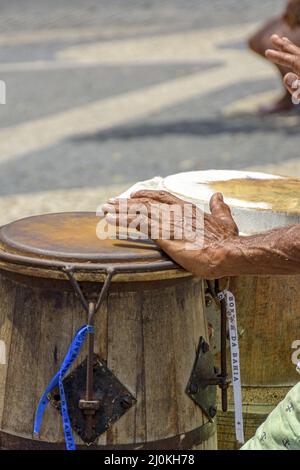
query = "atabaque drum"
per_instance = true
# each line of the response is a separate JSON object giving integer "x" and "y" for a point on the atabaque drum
{"x": 268, "y": 310}
{"x": 134, "y": 382}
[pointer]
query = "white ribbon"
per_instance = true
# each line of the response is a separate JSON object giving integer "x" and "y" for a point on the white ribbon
{"x": 235, "y": 364}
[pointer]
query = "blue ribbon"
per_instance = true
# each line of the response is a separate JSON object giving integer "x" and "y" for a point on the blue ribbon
{"x": 58, "y": 381}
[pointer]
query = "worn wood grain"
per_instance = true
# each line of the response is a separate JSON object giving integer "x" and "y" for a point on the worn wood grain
{"x": 269, "y": 322}
{"x": 269, "y": 316}
{"x": 7, "y": 295}
{"x": 147, "y": 333}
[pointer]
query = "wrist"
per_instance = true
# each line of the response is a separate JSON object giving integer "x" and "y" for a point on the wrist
{"x": 260, "y": 254}
{"x": 227, "y": 258}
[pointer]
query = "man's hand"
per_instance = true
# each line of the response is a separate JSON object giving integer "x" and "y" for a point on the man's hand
{"x": 218, "y": 234}
{"x": 287, "y": 54}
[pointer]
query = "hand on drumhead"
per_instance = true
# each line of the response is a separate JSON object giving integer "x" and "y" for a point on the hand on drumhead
{"x": 197, "y": 241}
{"x": 287, "y": 54}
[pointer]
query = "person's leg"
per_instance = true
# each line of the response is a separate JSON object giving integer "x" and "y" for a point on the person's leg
{"x": 260, "y": 42}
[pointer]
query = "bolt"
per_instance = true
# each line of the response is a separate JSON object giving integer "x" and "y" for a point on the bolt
{"x": 212, "y": 411}
{"x": 208, "y": 300}
{"x": 126, "y": 402}
{"x": 193, "y": 388}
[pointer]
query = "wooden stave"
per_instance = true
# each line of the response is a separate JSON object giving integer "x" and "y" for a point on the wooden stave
{"x": 275, "y": 374}
{"x": 38, "y": 296}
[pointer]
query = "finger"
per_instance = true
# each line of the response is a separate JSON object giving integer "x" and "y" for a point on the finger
{"x": 280, "y": 58}
{"x": 112, "y": 200}
{"x": 140, "y": 223}
{"x": 160, "y": 196}
{"x": 290, "y": 47}
{"x": 158, "y": 199}
{"x": 284, "y": 44}
{"x": 163, "y": 214}
{"x": 154, "y": 210}
{"x": 222, "y": 212}
{"x": 108, "y": 208}
{"x": 291, "y": 82}
{"x": 123, "y": 206}
{"x": 277, "y": 42}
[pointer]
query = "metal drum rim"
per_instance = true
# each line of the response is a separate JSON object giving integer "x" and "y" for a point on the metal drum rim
{"x": 11, "y": 259}
{"x": 17, "y": 247}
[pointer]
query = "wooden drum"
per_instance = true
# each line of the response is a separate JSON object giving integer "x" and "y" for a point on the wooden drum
{"x": 147, "y": 332}
{"x": 268, "y": 307}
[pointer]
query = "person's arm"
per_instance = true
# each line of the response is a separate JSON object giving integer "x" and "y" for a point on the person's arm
{"x": 212, "y": 248}
{"x": 273, "y": 252}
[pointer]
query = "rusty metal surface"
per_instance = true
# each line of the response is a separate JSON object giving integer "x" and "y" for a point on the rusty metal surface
{"x": 184, "y": 441}
{"x": 203, "y": 380}
{"x": 223, "y": 385}
{"x": 113, "y": 400}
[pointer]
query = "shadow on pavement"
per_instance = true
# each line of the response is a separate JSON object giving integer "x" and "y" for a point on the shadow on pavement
{"x": 287, "y": 124}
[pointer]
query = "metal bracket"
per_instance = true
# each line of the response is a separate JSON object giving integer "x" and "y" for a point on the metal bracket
{"x": 89, "y": 405}
{"x": 215, "y": 291}
{"x": 204, "y": 379}
{"x": 110, "y": 401}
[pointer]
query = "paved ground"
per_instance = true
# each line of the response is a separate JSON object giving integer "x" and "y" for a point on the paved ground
{"x": 102, "y": 94}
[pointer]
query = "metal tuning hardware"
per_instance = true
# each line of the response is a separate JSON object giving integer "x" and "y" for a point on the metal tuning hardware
{"x": 205, "y": 377}
{"x": 96, "y": 398}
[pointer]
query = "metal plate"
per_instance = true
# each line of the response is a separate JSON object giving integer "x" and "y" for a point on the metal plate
{"x": 203, "y": 373}
{"x": 114, "y": 399}
{"x": 72, "y": 236}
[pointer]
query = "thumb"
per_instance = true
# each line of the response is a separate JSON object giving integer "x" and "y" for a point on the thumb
{"x": 222, "y": 212}
{"x": 290, "y": 82}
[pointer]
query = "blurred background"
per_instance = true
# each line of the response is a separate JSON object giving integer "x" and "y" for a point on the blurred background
{"x": 103, "y": 93}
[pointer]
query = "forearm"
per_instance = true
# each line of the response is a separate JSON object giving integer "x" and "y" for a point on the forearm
{"x": 273, "y": 252}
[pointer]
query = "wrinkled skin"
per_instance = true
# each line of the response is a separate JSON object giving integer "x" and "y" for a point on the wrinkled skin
{"x": 220, "y": 230}
{"x": 224, "y": 252}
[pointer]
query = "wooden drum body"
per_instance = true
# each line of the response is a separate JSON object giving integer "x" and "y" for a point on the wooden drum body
{"x": 268, "y": 323}
{"x": 268, "y": 307}
{"x": 146, "y": 333}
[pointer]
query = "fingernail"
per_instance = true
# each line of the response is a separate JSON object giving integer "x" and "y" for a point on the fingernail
{"x": 112, "y": 200}
{"x": 107, "y": 207}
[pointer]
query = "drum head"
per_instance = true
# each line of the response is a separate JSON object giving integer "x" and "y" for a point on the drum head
{"x": 259, "y": 201}
{"x": 71, "y": 238}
